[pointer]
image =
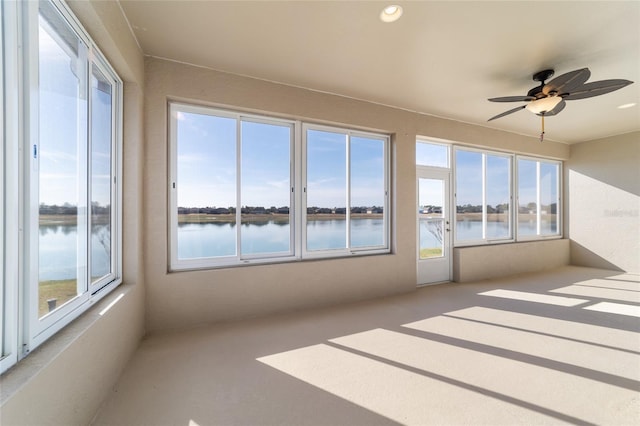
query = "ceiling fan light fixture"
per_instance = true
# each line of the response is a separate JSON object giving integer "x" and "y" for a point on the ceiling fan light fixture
{"x": 544, "y": 105}
{"x": 625, "y": 106}
{"x": 391, "y": 13}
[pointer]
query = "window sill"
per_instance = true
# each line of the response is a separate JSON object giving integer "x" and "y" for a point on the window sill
{"x": 26, "y": 369}
{"x": 278, "y": 260}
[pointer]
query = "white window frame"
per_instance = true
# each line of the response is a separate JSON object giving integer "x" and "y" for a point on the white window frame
{"x": 559, "y": 206}
{"x": 177, "y": 264}
{"x": 514, "y": 198}
{"x": 484, "y": 240}
{"x": 297, "y": 209}
{"x": 107, "y": 72}
{"x": 346, "y": 251}
{"x": 22, "y": 328}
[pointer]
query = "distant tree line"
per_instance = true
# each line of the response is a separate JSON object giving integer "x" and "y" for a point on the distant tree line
{"x": 276, "y": 210}
{"x": 206, "y": 210}
{"x": 71, "y": 210}
{"x": 504, "y": 208}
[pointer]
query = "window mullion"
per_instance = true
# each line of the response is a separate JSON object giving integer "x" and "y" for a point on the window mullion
{"x": 538, "y": 199}
{"x": 347, "y": 211}
{"x": 484, "y": 196}
{"x": 31, "y": 159}
{"x": 11, "y": 167}
{"x": 84, "y": 171}
{"x": 512, "y": 215}
{"x": 238, "y": 187}
{"x": 295, "y": 211}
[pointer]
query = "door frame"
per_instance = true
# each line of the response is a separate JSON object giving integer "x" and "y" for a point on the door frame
{"x": 446, "y": 261}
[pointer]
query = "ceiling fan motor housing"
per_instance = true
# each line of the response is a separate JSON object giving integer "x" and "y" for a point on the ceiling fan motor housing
{"x": 540, "y": 76}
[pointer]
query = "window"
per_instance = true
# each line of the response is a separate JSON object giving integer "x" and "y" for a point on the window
{"x": 432, "y": 154}
{"x": 232, "y": 188}
{"x": 483, "y": 196}
{"x": 244, "y": 190}
{"x": 67, "y": 152}
{"x": 538, "y": 198}
{"x": 346, "y": 191}
{"x": 484, "y": 212}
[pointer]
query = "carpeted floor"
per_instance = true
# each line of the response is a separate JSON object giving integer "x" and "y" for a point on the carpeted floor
{"x": 561, "y": 346}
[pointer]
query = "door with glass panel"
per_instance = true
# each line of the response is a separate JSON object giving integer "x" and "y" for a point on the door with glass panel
{"x": 434, "y": 227}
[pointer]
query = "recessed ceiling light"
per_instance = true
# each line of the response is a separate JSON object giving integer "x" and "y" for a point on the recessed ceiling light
{"x": 625, "y": 106}
{"x": 391, "y": 13}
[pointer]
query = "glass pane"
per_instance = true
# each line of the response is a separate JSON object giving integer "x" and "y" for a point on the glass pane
{"x": 549, "y": 198}
{"x": 101, "y": 177}
{"x": 62, "y": 162}
{"x": 498, "y": 196}
{"x": 266, "y": 188}
{"x": 206, "y": 187}
{"x": 434, "y": 155}
{"x": 468, "y": 195}
{"x": 326, "y": 190}
{"x": 527, "y": 196}
{"x": 367, "y": 192}
{"x": 431, "y": 217}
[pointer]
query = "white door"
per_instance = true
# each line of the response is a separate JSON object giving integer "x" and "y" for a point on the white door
{"x": 434, "y": 227}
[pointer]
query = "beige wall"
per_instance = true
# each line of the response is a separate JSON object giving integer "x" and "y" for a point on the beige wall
{"x": 184, "y": 299}
{"x": 499, "y": 260}
{"x": 65, "y": 380}
{"x": 603, "y": 197}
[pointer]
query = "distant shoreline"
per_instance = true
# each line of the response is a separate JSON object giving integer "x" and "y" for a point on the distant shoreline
{"x": 276, "y": 217}
{"x": 68, "y": 220}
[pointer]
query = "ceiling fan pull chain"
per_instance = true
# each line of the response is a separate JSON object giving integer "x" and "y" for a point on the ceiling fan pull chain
{"x": 542, "y": 133}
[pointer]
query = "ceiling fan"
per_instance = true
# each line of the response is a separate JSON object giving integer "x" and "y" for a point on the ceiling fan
{"x": 548, "y": 99}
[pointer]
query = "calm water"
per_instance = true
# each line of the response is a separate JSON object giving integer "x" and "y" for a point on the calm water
{"x": 196, "y": 240}
{"x": 59, "y": 248}
{"x": 58, "y": 243}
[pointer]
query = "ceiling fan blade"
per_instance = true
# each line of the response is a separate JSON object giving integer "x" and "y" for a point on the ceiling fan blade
{"x": 567, "y": 82}
{"x": 596, "y": 88}
{"x": 511, "y": 111}
{"x": 556, "y": 109}
{"x": 513, "y": 99}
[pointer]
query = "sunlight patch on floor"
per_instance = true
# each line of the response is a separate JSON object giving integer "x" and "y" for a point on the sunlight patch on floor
{"x": 600, "y": 293}
{"x": 534, "y": 297}
{"x": 621, "y": 339}
{"x": 616, "y": 308}
{"x": 601, "y": 359}
{"x": 395, "y": 393}
{"x": 618, "y": 282}
{"x": 505, "y": 379}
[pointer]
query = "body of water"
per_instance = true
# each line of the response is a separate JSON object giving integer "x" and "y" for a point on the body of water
{"x": 59, "y": 243}
{"x": 198, "y": 240}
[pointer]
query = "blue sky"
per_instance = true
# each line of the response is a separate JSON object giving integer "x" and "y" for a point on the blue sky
{"x": 468, "y": 184}
{"x": 207, "y": 165}
{"x": 469, "y": 180}
{"x": 61, "y": 114}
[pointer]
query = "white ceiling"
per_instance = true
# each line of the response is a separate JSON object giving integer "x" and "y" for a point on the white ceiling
{"x": 440, "y": 58}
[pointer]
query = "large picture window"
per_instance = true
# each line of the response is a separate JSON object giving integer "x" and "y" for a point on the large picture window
{"x": 244, "y": 190}
{"x": 232, "y": 189}
{"x": 538, "y": 198}
{"x": 485, "y": 206}
{"x": 346, "y": 191}
{"x": 483, "y": 196}
{"x": 68, "y": 158}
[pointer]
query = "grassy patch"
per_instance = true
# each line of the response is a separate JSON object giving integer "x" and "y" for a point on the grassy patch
{"x": 430, "y": 252}
{"x": 61, "y": 290}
